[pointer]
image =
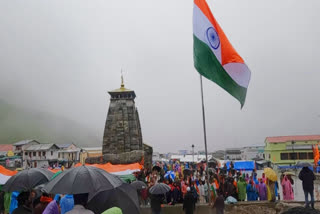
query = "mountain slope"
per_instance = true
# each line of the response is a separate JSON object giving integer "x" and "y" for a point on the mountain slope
{"x": 18, "y": 124}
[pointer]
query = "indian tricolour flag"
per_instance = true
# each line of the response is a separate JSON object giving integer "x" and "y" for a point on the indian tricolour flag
{"x": 214, "y": 56}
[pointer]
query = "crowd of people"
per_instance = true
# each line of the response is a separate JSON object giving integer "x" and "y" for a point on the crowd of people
{"x": 186, "y": 180}
{"x": 188, "y": 184}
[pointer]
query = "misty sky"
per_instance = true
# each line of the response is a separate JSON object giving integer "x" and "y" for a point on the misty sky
{"x": 63, "y": 56}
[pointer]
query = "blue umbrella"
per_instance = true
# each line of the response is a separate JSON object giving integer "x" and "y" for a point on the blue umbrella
{"x": 170, "y": 174}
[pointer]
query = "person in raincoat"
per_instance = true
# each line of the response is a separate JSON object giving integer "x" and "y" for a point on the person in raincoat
{"x": 287, "y": 189}
{"x": 247, "y": 178}
{"x": 262, "y": 190}
{"x": 251, "y": 191}
{"x": 66, "y": 203}
{"x": 24, "y": 204}
{"x": 271, "y": 188}
{"x": 183, "y": 188}
{"x": 7, "y": 201}
{"x": 52, "y": 208}
{"x": 242, "y": 189}
{"x": 263, "y": 178}
{"x": 14, "y": 201}
{"x": 113, "y": 210}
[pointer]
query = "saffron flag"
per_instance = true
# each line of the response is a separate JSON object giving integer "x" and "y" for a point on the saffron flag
{"x": 315, "y": 154}
{"x": 214, "y": 57}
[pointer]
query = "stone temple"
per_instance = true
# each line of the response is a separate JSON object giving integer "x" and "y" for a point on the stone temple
{"x": 122, "y": 131}
{"x": 122, "y": 139}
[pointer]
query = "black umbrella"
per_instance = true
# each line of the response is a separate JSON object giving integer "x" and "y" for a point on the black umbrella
{"x": 124, "y": 197}
{"x": 39, "y": 187}
{"x": 159, "y": 188}
{"x": 138, "y": 185}
{"x": 27, "y": 179}
{"x": 82, "y": 179}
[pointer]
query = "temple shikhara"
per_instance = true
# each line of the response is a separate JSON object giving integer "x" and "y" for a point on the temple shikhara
{"x": 122, "y": 139}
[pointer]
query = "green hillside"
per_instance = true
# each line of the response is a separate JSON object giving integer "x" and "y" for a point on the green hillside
{"x": 19, "y": 124}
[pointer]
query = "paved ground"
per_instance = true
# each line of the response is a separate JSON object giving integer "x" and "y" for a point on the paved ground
{"x": 258, "y": 207}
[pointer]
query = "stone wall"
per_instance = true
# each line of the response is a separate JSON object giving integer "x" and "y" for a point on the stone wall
{"x": 122, "y": 130}
{"x": 148, "y": 156}
{"x": 122, "y": 158}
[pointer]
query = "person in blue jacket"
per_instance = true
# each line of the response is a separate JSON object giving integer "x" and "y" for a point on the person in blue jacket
{"x": 251, "y": 191}
{"x": 14, "y": 201}
{"x": 66, "y": 203}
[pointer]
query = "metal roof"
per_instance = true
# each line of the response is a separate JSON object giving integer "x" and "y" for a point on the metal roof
{"x": 40, "y": 147}
{"x": 64, "y": 146}
{"x": 283, "y": 139}
{"x": 24, "y": 142}
{"x": 92, "y": 148}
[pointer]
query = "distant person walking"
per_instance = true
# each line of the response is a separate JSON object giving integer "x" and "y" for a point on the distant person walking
{"x": 307, "y": 177}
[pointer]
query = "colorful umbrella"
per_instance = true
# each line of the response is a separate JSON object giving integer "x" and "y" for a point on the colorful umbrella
{"x": 270, "y": 174}
{"x": 170, "y": 175}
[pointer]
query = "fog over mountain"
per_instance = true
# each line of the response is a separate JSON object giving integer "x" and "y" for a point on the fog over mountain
{"x": 18, "y": 123}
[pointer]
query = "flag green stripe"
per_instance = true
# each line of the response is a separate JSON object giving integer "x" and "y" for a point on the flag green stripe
{"x": 208, "y": 66}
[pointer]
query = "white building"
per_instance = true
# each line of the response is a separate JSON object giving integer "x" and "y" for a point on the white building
{"x": 19, "y": 147}
{"x": 68, "y": 154}
{"x": 233, "y": 154}
{"x": 40, "y": 155}
{"x": 252, "y": 152}
{"x": 190, "y": 158}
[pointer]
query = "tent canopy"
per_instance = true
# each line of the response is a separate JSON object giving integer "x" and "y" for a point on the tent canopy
{"x": 242, "y": 165}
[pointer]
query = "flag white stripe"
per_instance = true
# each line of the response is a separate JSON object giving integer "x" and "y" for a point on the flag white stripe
{"x": 200, "y": 26}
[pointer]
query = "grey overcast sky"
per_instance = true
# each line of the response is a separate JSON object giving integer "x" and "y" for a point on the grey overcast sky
{"x": 63, "y": 56}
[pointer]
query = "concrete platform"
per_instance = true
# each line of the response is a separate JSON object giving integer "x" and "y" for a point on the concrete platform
{"x": 239, "y": 208}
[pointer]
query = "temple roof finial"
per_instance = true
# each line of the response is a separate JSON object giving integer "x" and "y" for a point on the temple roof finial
{"x": 122, "y": 83}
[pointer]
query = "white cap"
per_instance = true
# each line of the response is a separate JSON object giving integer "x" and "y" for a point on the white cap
{"x": 188, "y": 189}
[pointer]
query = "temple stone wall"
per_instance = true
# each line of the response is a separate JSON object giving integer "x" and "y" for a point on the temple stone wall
{"x": 122, "y": 158}
{"x": 122, "y": 130}
{"x": 148, "y": 156}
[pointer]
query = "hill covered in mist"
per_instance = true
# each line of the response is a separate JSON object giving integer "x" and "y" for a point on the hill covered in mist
{"x": 17, "y": 123}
